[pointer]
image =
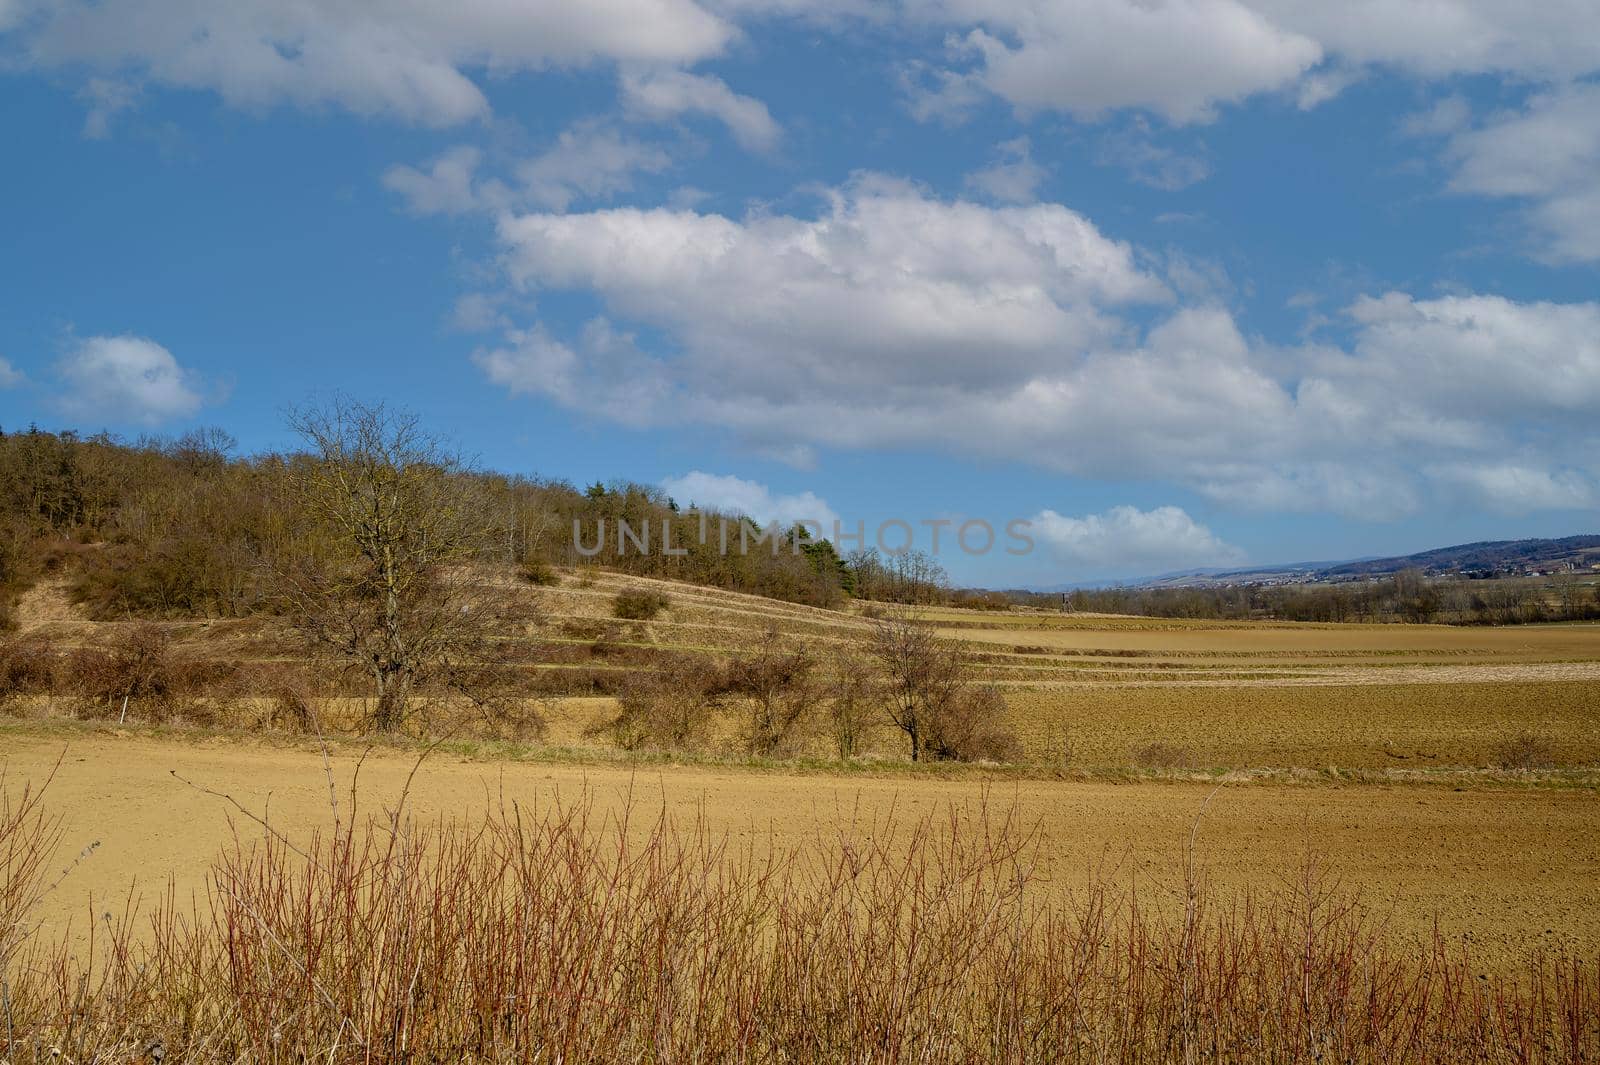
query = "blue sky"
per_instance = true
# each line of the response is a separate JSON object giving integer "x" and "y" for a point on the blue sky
{"x": 1183, "y": 282}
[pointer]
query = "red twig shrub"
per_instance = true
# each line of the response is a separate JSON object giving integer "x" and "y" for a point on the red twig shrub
{"x": 560, "y": 934}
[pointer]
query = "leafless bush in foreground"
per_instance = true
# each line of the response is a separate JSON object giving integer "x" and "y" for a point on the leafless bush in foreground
{"x": 562, "y": 934}
{"x": 29, "y": 836}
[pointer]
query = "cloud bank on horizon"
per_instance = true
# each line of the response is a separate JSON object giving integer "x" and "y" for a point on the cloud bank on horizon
{"x": 806, "y": 303}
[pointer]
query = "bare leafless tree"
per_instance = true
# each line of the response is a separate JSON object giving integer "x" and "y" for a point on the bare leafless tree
{"x": 867, "y": 573}
{"x": 387, "y": 594}
{"x": 916, "y": 577}
{"x": 922, "y": 674}
{"x": 929, "y": 692}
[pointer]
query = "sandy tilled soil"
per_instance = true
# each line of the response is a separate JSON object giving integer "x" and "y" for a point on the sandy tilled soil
{"x": 1503, "y": 870}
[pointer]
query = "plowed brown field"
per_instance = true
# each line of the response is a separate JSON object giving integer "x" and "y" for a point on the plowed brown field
{"x": 1503, "y": 870}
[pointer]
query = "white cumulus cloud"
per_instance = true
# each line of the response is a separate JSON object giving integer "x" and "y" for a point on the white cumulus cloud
{"x": 1546, "y": 155}
{"x": 426, "y": 62}
{"x": 662, "y": 94}
{"x": 1440, "y": 38}
{"x": 1126, "y": 540}
{"x": 735, "y": 495}
{"x": 445, "y": 187}
{"x": 412, "y": 60}
{"x": 1516, "y": 489}
{"x": 127, "y": 379}
{"x": 588, "y": 161}
{"x": 1177, "y": 58}
{"x": 604, "y": 372}
{"x": 886, "y": 289}
{"x": 893, "y": 319}
{"x": 1013, "y": 177}
{"x": 1182, "y": 59}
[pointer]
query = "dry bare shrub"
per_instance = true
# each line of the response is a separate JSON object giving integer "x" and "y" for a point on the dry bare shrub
{"x": 1526, "y": 750}
{"x": 139, "y": 673}
{"x": 1159, "y": 755}
{"x": 559, "y": 934}
{"x": 496, "y": 695}
{"x": 970, "y": 727}
{"x": 290, "y": 707}
{"x": 775, "y": 689}
{"x": 134, "y": 671}
{"x": 538, "y": 572}
{"x": 187, "y": 574}
{"x": 928, "y": 692}
{"x": 20, "y": 562}
{"x": 668, "y": 708}
{"x": 259, "y": 677}
{"x": 851, "y": 697}
{"x": 217, "y": 680}
{"x": 921, "y": 672}
{"x": 27, "y": 668}
{"x": 638, "y": 604}
{"x": 607, "y": 644}
{"x": 503, "y": 612}
{"x": 29, "y": 836}
{"x": 585, "y": 628}
{"x": 580, "y": 681}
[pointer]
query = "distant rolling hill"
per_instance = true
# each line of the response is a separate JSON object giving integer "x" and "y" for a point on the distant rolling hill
{"x": 1488, "y": 558}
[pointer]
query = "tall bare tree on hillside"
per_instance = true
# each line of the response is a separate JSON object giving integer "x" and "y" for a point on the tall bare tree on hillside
{"x": 386, "y": 594}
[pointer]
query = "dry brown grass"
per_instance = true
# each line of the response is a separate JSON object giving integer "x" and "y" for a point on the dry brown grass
{"x": 29, "y": 838}
{"x": 759, "y": 926}
{"x": 557, "y": 933}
